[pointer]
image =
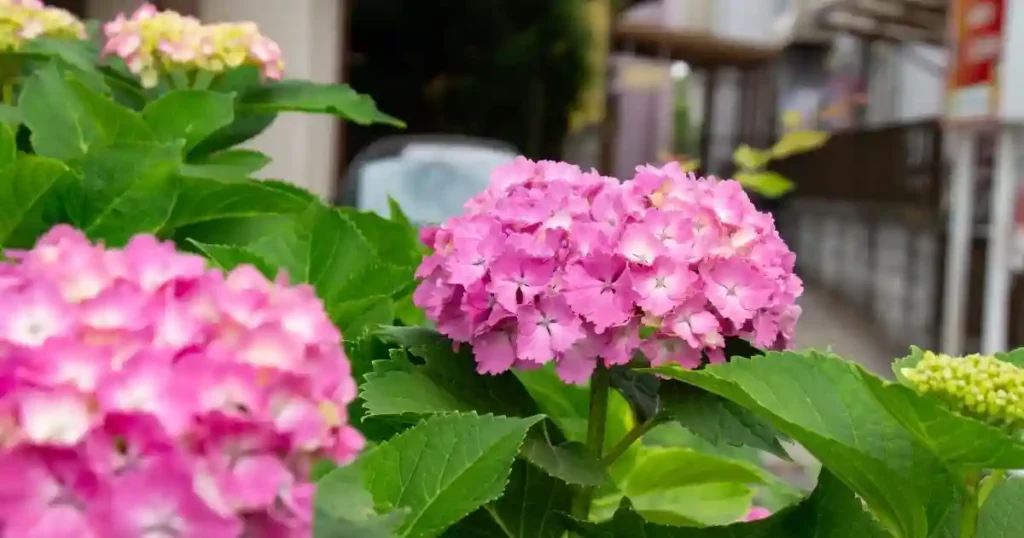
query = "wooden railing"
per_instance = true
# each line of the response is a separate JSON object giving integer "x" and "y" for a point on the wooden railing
{"x": 866, "y": 224}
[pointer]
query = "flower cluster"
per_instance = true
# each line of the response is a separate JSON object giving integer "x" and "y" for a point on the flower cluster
{"x": 143, "y": 394}
{"x": 24, "y": 20}
{"x": 552, "y": 263}
{"x": 152, "y": 42}
{"x": 976, "y": 386}
{"x": 757, "y": 513}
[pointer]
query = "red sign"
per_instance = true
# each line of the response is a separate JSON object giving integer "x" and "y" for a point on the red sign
{"x": 977, "y": 27}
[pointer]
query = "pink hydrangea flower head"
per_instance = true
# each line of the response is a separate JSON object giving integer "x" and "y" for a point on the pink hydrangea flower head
{"x": 553, "y": 264}
{"x": 153, "y": 41}
{"x": 140, "y": 390}
{"x": 24, "y": 20}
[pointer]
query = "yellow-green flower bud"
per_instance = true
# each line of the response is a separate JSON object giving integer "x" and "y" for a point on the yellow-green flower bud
{"x": 977, "y": 386}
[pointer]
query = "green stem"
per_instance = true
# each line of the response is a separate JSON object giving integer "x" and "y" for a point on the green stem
{"x": 179, "y": 80}
{"x": 8, "y": 93}
{"x": 988, "y": 484}
{"x": 969, "y": 510}
{"x": 631, "y": 437}
{"x": 596, "y": 422}
{"x": 202, "y": 80}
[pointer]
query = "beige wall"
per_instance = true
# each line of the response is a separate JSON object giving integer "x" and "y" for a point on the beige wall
{"x": 304, "y": 147}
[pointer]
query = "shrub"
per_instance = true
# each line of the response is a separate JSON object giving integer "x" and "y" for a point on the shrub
{"x": 154, "y": 380}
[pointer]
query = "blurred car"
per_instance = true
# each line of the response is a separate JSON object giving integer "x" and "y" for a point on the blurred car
{"x": 430, "y": 176}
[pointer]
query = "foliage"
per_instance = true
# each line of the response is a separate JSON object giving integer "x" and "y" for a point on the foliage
{"x": 659, "y": 451}
{"x": 511, "y": 70}
{"x": 752, "y": 164}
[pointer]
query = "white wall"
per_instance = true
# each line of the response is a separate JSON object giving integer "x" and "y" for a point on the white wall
{"x": 747, "y": 20}
{"x": 304, "y": 147}
{"x": 907, "y": 83}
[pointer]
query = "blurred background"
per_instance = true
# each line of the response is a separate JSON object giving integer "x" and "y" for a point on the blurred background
{"x": 611, "y": 84}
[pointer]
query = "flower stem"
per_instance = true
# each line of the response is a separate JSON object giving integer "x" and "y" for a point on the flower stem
{"x": 596, "y": 422}
{"x": 8, "y": 93}
{"x": 988, "y": 484}
{"x": 969, "y": 510}
{"x": 627, "y": 441}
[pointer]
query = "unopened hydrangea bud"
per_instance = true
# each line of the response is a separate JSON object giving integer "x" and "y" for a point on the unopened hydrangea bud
{"x": 153, "y": 42}
{"x": 977, "y": 386}
{"x": 24, "y": 20}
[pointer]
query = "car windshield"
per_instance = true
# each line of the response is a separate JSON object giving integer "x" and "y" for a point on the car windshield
{"x": 430, "y": 181}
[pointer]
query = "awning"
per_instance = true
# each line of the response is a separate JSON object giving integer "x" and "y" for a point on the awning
{"x": 890, "y": 20}
{"x": 697, "y": 48}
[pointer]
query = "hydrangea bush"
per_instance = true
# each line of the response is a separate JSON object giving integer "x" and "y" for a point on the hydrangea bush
{"x": 573, "y": 355}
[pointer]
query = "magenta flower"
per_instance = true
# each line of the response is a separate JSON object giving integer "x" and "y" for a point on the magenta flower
{"x": 757, "y": 513}
{"x": 553, "y": 264}
{"x": 142, "y": 393}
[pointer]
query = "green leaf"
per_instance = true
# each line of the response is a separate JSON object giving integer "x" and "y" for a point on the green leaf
{"x": 445, "y": 468}
{"x": 189, "y": 115}
{"x": 127, "y": 188}
{"x": 412, "y": 392}
{"x": 357, "y": 314}
{"x": 567, "y": 462}
{"x": 343, "y": 507}
{"x": 374, "y": 278}
{"x": 718, "y": 420}
{"x": 234, "y": 162}
{"x": 28, "y": 192}
{"x": 80, "y": 55}
{"x": 399, "y": 216}
{"x": 910, "y": 361}
{"x": 1001, "y": 516}
{"x": 1014, "y": 357}
{"x": 323, "y": 247}
{"x": 67, "y": 118}
{"x": 455, "y": 372}
{"x": 795, "y": 142}
{"x": 568, "y": 406}
{"x": 8, "y": 146}
{"x": 766, "y": 183}
{"x": 825, "y": 404}
{"x": 531, "y": 504}
{"x": 749, "y": 159}
{"x": 206, "y": 201}
{"x": 396, "y": 243}
{"x": 382, "y": 312}
{"x": 479, "y": 524}
{"x": 832, "y": 511}
{"x": 960, "y": 441}
{"x": 244, "y": 128}
{"x": 682, "y": 486}
{"x": 639, "y": 389}
{"x": 228, "y": 257}
{"x": 308, "y": 96}
{"x": 11, "y": 115}
{"x": 77, "y": 53}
